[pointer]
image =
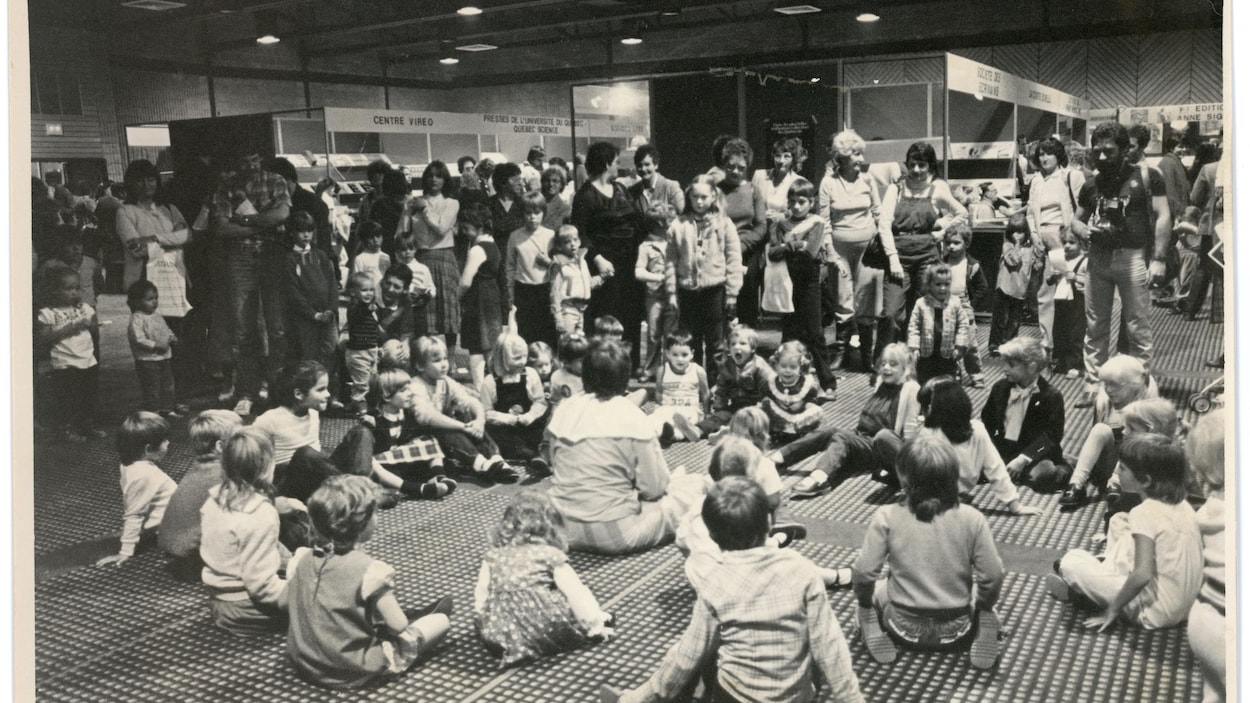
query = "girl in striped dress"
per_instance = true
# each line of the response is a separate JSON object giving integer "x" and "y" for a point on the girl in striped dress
{"x": 791, "y": 394}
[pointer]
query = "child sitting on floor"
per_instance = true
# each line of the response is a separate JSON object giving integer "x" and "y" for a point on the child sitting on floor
{"x": 944, "y": 570}
{"x": 142, "y": 441}
{"x": 681, "y": 388}
{"x": 1123, "y": 380}
{"x": 401, "y": 444}
{"x": 516, "y": 407}
{"x": 790, "y": 398}
{"x": 1152, "y": 570}
{"x": 741, "y": 380}
{"x": 887, "y": 419}
{"x": 179, "y": 536}
{"x": 541, "y": 358}
{"x": 1024, "y": 417}
{"x": 752, "y": 598}
{"x": 1206, "y": 631}
{"x": 937, "y": 332}
{"x": 347, "y": 627}
{"x": 529, "y": 602}
{"x": 239, "y": 540}
{"x": 566, "y": 381}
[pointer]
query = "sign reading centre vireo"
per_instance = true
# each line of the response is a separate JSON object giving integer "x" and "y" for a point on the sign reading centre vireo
{"x": 351, "y": 119}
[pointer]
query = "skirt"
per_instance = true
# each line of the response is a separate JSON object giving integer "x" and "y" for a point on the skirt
{"x": 442, "y": 314}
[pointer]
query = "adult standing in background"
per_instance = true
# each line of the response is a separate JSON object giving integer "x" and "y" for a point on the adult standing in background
{"x": 390, "y": 210}
{"x": 304, "y": 200}
{"x": 432, "y": 220}
{"x": 744, "y": 205}
{"x": 552, "y": 184}
{"x": 254, "y": 251}
{"x": 914, "y": 213}
{"x": 375, "y": 172}
{"x": 154, "y": 234}
{"x": 608, "y": 222}
{"x": 652, "y": 187}
{"x": 531, "y": 171}
{"x": 850, "y": 205}
{"x": 507, "y": 210}
{"x": 1052, "y": 203}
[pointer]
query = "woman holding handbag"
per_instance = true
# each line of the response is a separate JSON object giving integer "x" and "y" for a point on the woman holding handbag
{"x": 849, "y": 205}
{"x": 914, "y": 213}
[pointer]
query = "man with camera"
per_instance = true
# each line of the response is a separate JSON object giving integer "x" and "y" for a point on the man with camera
{"x": 1123, "y": 214}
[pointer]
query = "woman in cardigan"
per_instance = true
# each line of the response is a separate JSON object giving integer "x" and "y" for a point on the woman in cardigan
{"x": 744, "y": 205}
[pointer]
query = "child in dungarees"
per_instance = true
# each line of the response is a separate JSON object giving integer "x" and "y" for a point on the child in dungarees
{"x": 516, "y": 406}
{"x": 653, "y": 271}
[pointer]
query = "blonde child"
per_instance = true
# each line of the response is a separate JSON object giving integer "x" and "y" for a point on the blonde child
{"x": 1207, "y": 630}
{"x": 1070, "y": 309}
{"x": 948, "y": 416}
{"x": 364, "y": 337}
{"x": 653, "y": 271}
{"x": 1024, "y": 417}
{"x": 528, "y": 263}
{"x": 1123, "y": 380}
{"x": 938, "y": 349}
{"x": 566, "y": 381}
{"x": 888, "y": 418}
{"x": 944, "y": 570}
{"x": 529, "y": 603}
{"x": 1152, "y": 570}
{"x": 179, "y": 536}
{"x": 347, "y": 627}
{"x": 455, "y": 418}
{"x": 483, "y": 291}
{"x": 63, "y": 330}
{"x": 797, "y": 239}
{"x": 968, "y": 286}
{"x": 1015, "y": 268}
{"x": 239, "y": 540}
{"x": 401, "y": 445}
{"x": 753, "y": 425}
{"x": 142, "y": 441}
{"x": 1157, "y": 415}
{"x": 682, "y": 397}
{"x": 516, "y": 406}
{"x": 571, "y": 282}
{"x": 541, "y": 358}
{"x": 752, "y": 597}
{"x": 706, "y": 258}
{"x": 151, "y": 343}
{"x": 792, "y": 394}
{"x": 741, "y": 381}
{"x": 421, "y": 290}
{"x": 371, "y": 259}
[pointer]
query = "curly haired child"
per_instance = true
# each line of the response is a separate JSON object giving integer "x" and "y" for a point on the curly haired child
{"x": 791, "y": 396}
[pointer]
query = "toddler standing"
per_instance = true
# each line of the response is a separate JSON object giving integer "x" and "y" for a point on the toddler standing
{"x": 364, "y": 337}
{"x": 706, "y": 258}
{"x": 347, "y": 627}
{"x": 142, "y": 440}
{"x": 653, "y": 271}
{"x": 968, "y": 286}
{"x": 571, "y": 282}
{"x": 529, "y": 603}
{"x": 937, "y": 332}
{"x": 151, "y": 342}
{"x": 63, "y": 331}
{"x": 371, "y": 259}
{"x": 1015, "y": 268}
{"x": 1070, "y": 309}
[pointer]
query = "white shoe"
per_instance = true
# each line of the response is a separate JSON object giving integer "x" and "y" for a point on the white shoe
{"x": 244, "y": 407}
{"x": 226, "y": 394}
{"x": 264, "y": 391}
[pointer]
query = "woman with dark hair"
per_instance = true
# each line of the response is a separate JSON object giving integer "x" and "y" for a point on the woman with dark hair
{"x": 390, "y": 210}
{"x": 948, "y": 416}
{"x": 609, "y": 225}
{"x": 914, "y": 212}
{"x": 375, "y": 173}
{"x": 153, "y": 234}
{"x": 1052, "y": 203}
{"x": 609, "y": 478}
{"x": 744, "y": 206}
{"x": 431, "y": 219}
{"x": 507, "y": 211}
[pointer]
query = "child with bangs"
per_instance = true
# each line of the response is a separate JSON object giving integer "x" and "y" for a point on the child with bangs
{"x": 516, "y": 406}
{"x": 527, "y": 262}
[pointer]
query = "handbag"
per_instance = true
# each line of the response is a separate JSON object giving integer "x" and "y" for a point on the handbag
{"x": 874, "y": 254}
{"x": 778, "y": 288}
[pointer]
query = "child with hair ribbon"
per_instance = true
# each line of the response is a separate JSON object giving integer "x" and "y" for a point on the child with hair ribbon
{"x": 790, "y": 398}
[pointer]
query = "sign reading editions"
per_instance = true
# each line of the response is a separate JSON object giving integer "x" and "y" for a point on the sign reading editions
{"x": 968, "y": 76}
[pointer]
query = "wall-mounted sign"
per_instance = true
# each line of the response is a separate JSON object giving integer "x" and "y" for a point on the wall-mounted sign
{"x": 348, "y": 119}
{"x": 982, "y": 81}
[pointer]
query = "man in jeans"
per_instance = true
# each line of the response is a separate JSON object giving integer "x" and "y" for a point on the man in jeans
{"x": 1120, "y": 216}
{"x": 247, "y": 213}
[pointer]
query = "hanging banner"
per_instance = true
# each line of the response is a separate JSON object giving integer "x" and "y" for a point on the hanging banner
{"x": 1209, "y": 116}
{"x": 351, "y": 119}
{"x": 982, "y": 81}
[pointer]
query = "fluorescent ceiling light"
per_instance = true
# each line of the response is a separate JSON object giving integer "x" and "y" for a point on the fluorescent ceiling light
{"x": 631, "y": 41}
{"x": 796, "y": 9}
{"x": 469, "y": 11}
{"x": 154, "y": 5}
{"x": 476, "y": 47}
{"x": 449, "y": 61}
{"x": 868, "y": 17}
{"x": 815, "y": 80}
{"x": 267, "y": 39}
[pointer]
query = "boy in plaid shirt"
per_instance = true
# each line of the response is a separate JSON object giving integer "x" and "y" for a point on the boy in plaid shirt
{"x": 762, "y": 619}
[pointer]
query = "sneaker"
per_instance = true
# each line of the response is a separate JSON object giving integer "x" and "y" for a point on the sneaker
{"x": 668, "y": 435}
{"x": 686, "y": 428}
{"x": 879, "y": 644}
{"x": 787, "y": 533}
{"x": 498, "y": 471}
{"x": 815, "y": 484}
{"x": 243, "y": 408}
{"x": 983, "y": 654}
{"x": 1073, "y": 373}
{"x": 263, "y": 394}
{"x": 1058, "y": 588}
{"x": 539, "y": 468}
{"x": 1073, "y": 497}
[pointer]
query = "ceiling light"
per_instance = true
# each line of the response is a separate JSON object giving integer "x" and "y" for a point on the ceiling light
{"x": 449, "y": 60}
{"x": 469, "y": 11}
{"x": 476, "y": 47}
{"x": 154, "y": 5}
{"x": 815, "y": 80}
{"x": 868, "y": 16}
{"x": 671, "y": 13}
{"x": 796, "y": 9}
{"x": 267, "y": 39}
{"x": 631, "y": 41}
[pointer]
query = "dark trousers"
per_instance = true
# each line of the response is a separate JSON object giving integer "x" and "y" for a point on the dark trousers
{"x": 519, "y": 442}
{"x": 935, "y": 365}
{"x": 1006, "y": 322}
{"x": 156, "y": 382}
{"x": 71, "y": 396}
{"x": 898, "y": 297}
{"x": 308, "y": 468}
{"x": 316, "y": 341}
{"x": 533, "y": 313}
{"x": 702, "y": 313}
{"x": 462, "y": 449}
{"x": 752, "y": 285}
{"x": 256, "y": 290}
{"x": 1069, "y": 351}
{"x": 622, "y": 297}
{"x": 804, "y": 324}
{"x": 1208, "y": 273}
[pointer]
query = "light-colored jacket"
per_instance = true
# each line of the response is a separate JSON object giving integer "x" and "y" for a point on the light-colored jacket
{"x": 706, "y": 253}
{"x": 240, "y": 548}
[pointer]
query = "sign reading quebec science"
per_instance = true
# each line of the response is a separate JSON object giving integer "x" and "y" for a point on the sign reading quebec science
{"x": 351, "y": 119}
{"x": 980, "y": 80}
